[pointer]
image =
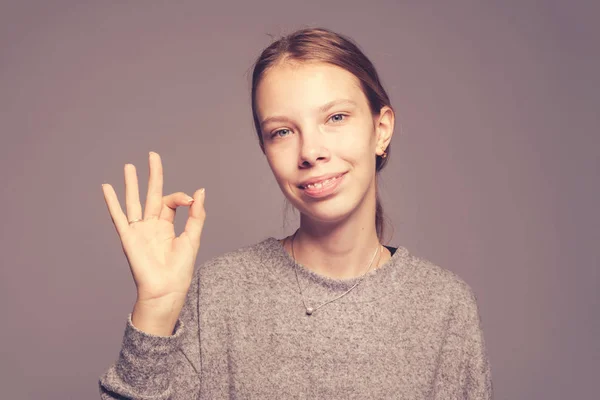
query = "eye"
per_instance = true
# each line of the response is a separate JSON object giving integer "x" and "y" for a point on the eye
{"x": 276, "y": 133}
{"x": 338, "y": 119}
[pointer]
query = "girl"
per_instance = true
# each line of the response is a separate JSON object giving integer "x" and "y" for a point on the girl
{"x": 326, "y": 313}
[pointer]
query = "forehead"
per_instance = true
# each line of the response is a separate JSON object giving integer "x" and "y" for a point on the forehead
{"x": 295, "y": 87}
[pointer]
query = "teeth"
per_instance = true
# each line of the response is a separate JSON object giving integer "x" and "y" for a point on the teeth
{"x": 319, "y": 185}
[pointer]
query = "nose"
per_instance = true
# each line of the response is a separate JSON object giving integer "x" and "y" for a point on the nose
{"x": 312, "y": 148}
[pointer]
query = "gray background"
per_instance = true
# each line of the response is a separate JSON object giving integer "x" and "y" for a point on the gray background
{"x": 493, "y": 172}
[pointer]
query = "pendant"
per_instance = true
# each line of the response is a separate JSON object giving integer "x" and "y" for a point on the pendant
{"x": 309, "y": 311}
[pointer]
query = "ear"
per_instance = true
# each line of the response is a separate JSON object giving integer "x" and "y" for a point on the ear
{"x": 384, "y": 128}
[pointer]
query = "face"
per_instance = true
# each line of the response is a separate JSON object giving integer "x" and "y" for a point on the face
{"x": 316, "y": 122}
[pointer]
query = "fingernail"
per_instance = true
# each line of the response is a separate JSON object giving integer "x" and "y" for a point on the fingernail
{"x": 189, "y": 199}
{"x": 202, "y": 191}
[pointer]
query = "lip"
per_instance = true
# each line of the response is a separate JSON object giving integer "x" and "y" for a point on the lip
{"x": 324, "y": 191}
{"x": 317, "y": 179}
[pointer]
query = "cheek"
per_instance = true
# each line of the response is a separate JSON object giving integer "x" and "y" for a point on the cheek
{"x": 281, "y": 166}
{"x": 356, "y": 147}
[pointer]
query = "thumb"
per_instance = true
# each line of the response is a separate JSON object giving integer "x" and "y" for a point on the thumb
{"x": 196, "y": 218}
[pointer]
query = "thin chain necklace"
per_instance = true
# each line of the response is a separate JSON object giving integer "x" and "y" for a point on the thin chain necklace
{"x": 311, "y": 310}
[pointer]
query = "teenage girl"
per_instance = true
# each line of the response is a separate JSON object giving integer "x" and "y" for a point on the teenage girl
{"x": 328, "y": 312}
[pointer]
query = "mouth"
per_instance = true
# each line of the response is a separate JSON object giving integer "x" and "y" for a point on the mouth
{"x": 323, "y": 188}
{"x": 321, "y": 184}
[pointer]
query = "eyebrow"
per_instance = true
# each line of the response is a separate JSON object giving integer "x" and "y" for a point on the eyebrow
{"x": 321, "y": 109}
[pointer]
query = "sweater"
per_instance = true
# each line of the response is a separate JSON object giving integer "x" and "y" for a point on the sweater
{"x": 409, "y": 330}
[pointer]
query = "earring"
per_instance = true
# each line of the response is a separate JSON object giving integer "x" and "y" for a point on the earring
{"x": 384, "y": 155}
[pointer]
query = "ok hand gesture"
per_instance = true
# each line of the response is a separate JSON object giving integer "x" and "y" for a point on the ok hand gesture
{"x": 162, "y": 265}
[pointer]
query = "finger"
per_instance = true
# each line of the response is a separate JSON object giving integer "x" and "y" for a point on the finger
{"x": 155, "y": 187}
{"x": 170, "y": 204}
{"x": 114, "y": 209}
{"x": 132, "y": 193}
{"x": 196, "y": 218}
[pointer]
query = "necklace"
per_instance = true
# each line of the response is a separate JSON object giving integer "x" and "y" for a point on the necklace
{"x": 311, "y": 310}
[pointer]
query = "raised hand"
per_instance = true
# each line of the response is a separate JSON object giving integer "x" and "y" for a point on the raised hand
{"x": 162, "y": 265}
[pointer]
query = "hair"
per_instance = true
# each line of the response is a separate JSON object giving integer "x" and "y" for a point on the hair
{"x": 324, "y": 46}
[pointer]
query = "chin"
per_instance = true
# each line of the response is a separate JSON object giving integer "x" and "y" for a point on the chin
{"x": 330, "y": 211}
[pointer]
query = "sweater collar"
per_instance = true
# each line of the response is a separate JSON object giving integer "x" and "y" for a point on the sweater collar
{"x": 376, "y": 284}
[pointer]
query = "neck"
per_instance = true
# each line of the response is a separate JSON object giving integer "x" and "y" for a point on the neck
{"x": 338, "y": 251}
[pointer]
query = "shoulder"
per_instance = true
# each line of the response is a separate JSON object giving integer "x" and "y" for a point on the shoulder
{"x": 242, "y": 263}
{"x": 432, "y": 280}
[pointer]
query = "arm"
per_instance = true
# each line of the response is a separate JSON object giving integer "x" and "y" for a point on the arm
{"x": 476, "y": 374}
{"x": 158, "y": 367}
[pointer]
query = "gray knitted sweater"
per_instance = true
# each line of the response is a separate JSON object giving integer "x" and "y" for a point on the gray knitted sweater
{"x": 409, "y": 330}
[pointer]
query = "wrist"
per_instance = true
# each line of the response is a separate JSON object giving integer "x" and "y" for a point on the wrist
{"x": 156, "y": 320}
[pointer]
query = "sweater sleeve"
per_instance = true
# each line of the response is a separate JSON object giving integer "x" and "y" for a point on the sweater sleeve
{"x": 476, "y": 373}
{"x": 157, "y": 367}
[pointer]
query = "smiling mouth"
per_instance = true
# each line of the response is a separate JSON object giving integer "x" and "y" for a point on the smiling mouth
{"x": 322, "y": 184}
